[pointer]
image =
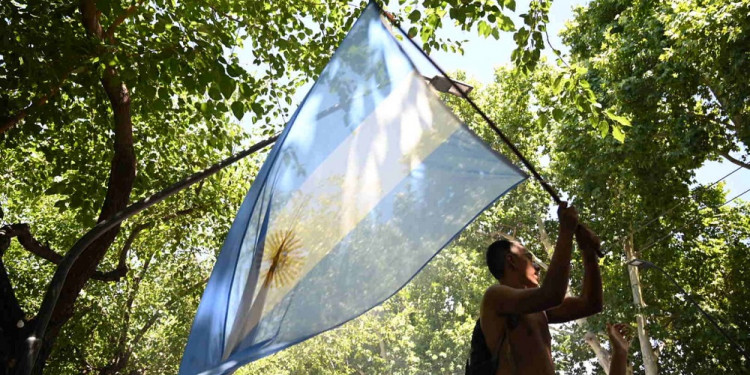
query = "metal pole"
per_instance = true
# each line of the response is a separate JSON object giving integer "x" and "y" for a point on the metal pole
{"x": 34, "y": 342}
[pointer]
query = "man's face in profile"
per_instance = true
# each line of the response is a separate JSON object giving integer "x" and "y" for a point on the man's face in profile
{"x": 525, "y": 264}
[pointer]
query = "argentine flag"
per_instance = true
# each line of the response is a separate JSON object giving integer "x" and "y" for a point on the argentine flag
{"x": 371, "y": 178}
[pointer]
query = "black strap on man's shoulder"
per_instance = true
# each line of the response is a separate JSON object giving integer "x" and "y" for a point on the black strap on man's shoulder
{"x": 481, "y": 361}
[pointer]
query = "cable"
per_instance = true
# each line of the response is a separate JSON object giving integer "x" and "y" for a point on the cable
{"x": 691, "y": 222}
{"x": 643, "y": 226}
{"x": 32, "y": 344}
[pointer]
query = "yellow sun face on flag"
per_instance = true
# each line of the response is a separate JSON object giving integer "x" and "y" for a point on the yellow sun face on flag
{"x": 283, "y": 257}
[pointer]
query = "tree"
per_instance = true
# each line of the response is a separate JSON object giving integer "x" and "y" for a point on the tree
{"x": 615, "y": 186}
{"x": 674, "y": 66}
{"x": 108, "y": 101}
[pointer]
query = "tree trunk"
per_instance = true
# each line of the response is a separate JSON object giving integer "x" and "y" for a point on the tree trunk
{"x": 602, "y": 355}
{"x": 12, "y": 324}
{"x": 121, "y": 178}
{"x": 650, "y": 361}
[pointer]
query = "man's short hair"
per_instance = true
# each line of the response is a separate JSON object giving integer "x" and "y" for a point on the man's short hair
{"x": 496, "y": 253}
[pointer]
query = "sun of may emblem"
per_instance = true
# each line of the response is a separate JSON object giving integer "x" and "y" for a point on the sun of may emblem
{"x": 283, "y": 258}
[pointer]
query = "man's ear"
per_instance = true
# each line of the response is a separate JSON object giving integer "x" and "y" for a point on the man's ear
{"x": 510, "y": 261}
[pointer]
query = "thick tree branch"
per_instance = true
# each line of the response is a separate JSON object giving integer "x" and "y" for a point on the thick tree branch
{"x": 602, "y": 355}
{"x": 23, "y": 234}
{"x": 544, "y": 237}
{"x": 90, "y": 18}
{"x": 63, "y": 291}
{"x": 732, "y": 159}
{"x": 12, "y": 320}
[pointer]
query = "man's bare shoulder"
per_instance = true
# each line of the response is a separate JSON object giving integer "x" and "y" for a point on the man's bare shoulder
{"x": 496, "y": 292}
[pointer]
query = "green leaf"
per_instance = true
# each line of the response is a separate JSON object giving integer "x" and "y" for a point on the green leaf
{"x": 618, "y": 134}
{"x": 557, "y": 86}
{"x": 415, "y": 16}
{"x": 603, "y": 128}
{"x": 227, "y": 86}
{"x": 214, "y": 92}
{"x": 543, "y": 119}
{"x": 619, "y": 119}
{"x": 238, "y": 109}
{"x": 257, "y": 108}
{"x": 557, "y": 114}
{"x": 506, "y": 23}
{"x": 412, "y": 32}
{"x": 484, "y": 29}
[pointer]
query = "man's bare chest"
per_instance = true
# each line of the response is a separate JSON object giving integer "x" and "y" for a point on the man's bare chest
{"x": 534, "y": 326}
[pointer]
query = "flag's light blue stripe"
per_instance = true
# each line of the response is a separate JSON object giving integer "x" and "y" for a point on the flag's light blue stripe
{"x": 206, "y": 340}
{"x": 342, "y": 191}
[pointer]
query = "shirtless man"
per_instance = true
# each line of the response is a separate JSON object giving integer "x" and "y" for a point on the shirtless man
{"x": 521, "y": 309}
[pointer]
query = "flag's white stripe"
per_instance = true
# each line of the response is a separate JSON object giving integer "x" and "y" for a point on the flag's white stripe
{"x": 395, "y": 138}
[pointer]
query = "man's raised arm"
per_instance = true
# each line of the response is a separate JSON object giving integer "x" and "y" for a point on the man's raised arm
{"x": 508, "y": 300}
{"x": 590, "y": 301}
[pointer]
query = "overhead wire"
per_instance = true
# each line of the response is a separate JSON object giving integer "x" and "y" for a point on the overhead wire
{"x": 645, "y": 225}
{"x": 691, "y": 222}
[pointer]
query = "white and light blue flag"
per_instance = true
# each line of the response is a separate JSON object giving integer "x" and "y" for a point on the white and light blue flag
{"x": 370, "y": 179}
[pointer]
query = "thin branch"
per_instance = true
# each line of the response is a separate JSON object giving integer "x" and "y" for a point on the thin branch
{"x": 23, "y": 234}
{"x": 20, "y": 115}
{"x": 734, "y": 118}
{"x": 546, "y": 35}
{"x": 154, "y": 318}
{"x": 129, "y": 11}
{"x": 227, "y": 16}
{"x": 122, "y": 265}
